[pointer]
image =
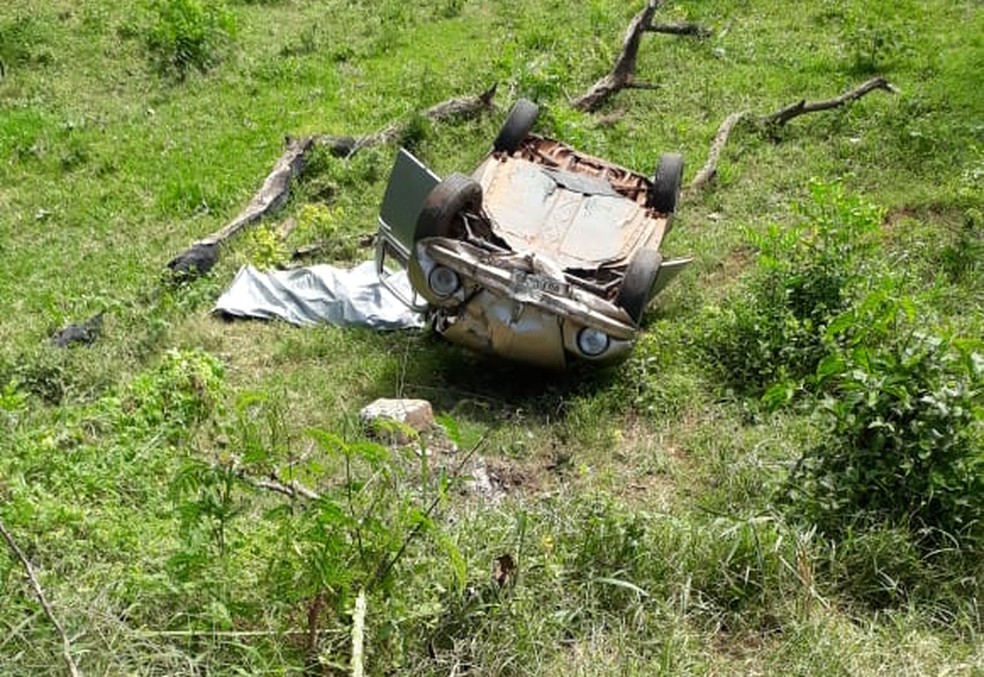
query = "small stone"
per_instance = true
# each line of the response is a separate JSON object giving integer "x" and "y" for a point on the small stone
{"x": 417, "y": 415}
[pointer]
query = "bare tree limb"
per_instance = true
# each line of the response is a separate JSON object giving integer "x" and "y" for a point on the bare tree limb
{"x": 203, "y": 254}
{"x": 778, "y": 119}
{"x": 73, "y": 668}
{"x": 292, "y": 489}
{"x": 709, "y": 170}
{"x": 781, "y": 117}
{"x": 691, "y": 29}
{"x": 623, "y": 72}
{"x": 464, "y": 106}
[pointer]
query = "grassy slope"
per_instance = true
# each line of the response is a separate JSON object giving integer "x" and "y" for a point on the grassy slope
{"x": 107, "y": 170}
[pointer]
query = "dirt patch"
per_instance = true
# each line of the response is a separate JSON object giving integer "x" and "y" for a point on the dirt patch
{"x": 730, "y": 267}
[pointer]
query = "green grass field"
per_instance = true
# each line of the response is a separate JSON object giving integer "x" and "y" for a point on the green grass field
{"x": 787, "y": 476}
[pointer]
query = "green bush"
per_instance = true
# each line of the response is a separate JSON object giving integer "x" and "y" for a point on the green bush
{"x": 903, "y": 444}
{"x": 182, "y": 391}
{"x": 772, "y": 328}
{"x": 188, "y": 34}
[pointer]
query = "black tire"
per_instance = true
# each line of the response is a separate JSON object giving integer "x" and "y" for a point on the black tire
{"x": 455, "y": 194}
{"x": 517, "y": 126}
{"x": 637, "y": 284}
{"x": 666, "y": 183}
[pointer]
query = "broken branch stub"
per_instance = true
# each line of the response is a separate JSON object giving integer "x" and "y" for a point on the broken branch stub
{"x": 623, "y": 72}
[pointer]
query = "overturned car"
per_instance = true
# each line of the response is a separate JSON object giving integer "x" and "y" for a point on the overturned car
{"x": 544, "y": 254}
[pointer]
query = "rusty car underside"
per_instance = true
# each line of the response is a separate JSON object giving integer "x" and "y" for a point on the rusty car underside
{"x": 530, "y": 256}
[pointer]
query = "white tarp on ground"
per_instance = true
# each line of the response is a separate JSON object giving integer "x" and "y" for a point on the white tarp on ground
{"x": 319, "y": 294}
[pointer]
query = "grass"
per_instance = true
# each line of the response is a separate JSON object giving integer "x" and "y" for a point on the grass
{"x": 641, "y": 510}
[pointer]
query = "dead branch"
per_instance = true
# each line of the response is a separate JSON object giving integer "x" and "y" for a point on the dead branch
{"x": 199, "y": 258}
{"x": 462, "y": 106}
{"x": 203, "y": 254}
{"x": 274, "y": 192}
{"x": 39, "y": 592}
{"x": 623, "y": 73}
{"x": 778, "y": 119}
{"x": 339, "y": 146}
{"x": 783, "y": 116}
{"x": 286, "y": 227}
{"x": 292, "y": 489}
{"x": 691, "y": 29}
{"x": 709, "y": 170}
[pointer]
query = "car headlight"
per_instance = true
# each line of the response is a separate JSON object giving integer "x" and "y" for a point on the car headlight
{"x": 443, "y": 281}
{"x": 592, "y": 342}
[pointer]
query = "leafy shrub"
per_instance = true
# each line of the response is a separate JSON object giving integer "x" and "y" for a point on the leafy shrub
{"x": 188, "y": 34}
{"x": 183, "y": 390}
{"x": 41, "y": 373}
{"x": 772, "y": 328}
{"x": 904, "y": 444}
{"x": 265, "y": 249}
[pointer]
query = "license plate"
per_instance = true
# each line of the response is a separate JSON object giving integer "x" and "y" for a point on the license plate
{"x": 526, "y": 282}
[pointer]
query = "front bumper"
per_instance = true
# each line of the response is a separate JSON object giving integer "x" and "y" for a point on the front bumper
{"x": 517, "y": 306}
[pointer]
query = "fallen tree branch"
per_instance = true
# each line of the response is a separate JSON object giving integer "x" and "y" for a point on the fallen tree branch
{"x": 273, "y": 193}
{"x": 778, "y": 119}
{"x": 623, "y": 72}
{"x": 292, "y": 489}
{"x": 39, "y": 592}
{"x": 203, "y": 254}
{"x": 781, "y": 117}
{"x": 691, "y": 29}
{"x": 709, "y": 170}
{"x": 446, "y": 110}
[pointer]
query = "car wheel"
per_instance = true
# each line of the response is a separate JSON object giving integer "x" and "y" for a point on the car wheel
{"x": 516, "y": 127}
{"x": 452, "y": 196}
{"x": 637, "y": 284}
{"x": 666, "y": 183}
